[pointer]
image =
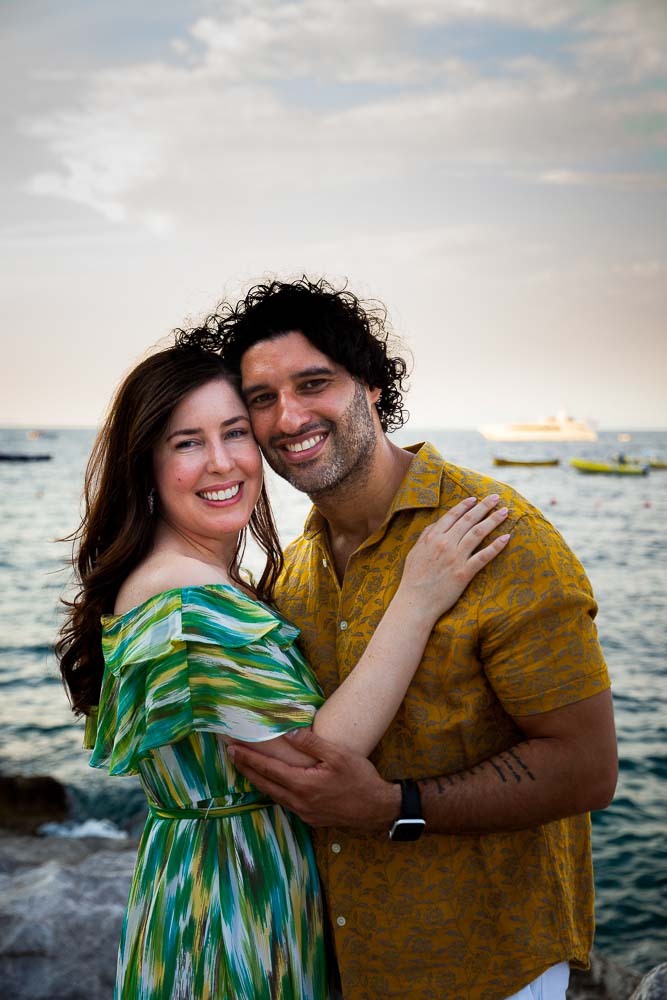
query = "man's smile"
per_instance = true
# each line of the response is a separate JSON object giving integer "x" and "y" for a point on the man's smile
{"x": 300, "y": 446}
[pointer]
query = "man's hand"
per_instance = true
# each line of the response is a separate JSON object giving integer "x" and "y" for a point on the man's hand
{"x": 565, "y": 765}
{"x": 341, "y": 789}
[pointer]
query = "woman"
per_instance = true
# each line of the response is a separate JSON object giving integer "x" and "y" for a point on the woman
{"x": 181, "y": 653}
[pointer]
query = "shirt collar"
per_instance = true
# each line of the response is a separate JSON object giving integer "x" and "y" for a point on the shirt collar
{"x": 420, "y": 487}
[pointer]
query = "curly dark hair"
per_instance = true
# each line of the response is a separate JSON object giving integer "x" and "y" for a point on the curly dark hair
{"x": 117, "y": 529}
{"x": 352, "y": 333}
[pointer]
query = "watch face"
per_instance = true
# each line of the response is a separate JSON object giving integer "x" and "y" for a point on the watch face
{"x": 407, "y": 829}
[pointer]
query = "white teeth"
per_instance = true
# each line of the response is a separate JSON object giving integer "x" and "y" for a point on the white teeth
{"x": 220, "y": 494}
{"x": 305, "y": 445}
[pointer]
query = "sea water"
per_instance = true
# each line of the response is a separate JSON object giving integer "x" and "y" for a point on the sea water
{"x": 616, "y": 525}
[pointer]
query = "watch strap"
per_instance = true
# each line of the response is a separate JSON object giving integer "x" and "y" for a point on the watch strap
{"x": 410, "y": 824}
{"x": 411, "y": 803}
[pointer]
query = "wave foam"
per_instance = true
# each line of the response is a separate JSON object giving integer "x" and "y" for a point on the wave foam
{"x": 89, "y": 828}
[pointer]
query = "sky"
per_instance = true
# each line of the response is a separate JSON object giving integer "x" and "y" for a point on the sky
{"x": 494, "y": 171}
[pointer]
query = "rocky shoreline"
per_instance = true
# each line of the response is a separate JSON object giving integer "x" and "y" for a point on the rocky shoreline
{"x": 61, "y": 909}
{"x": 62, "y": 902}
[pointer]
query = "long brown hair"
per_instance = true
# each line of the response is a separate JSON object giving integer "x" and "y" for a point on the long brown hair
{"x": 117, "y": 527}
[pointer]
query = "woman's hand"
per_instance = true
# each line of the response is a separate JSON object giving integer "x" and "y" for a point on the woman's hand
{"x": 445, "y": 558}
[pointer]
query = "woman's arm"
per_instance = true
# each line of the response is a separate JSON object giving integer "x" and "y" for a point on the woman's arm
{"x": 437, "y": 570}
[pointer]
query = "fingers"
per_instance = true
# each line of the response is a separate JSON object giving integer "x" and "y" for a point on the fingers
{"x": 460, "y": 518}
{"x": 270, "y": 768}
{"x": 476, "y": 533}
{"x": 469, "y": 519}
{"x": 280, "y": 795}
{"x": 267, "y": 774}
{"x": 482, "y": 558}
{"x": 452, "y": 516}
{"x": 305, "y": 740}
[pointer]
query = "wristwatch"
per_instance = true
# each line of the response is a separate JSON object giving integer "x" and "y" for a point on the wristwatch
{"x": 410, "y": 824}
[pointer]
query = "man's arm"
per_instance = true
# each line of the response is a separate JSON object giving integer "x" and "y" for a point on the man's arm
{"x": 567, "y": 764}
{"x": 538, "y": 647}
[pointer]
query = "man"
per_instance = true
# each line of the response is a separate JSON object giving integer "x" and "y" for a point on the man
{"x": 505, "y": 739}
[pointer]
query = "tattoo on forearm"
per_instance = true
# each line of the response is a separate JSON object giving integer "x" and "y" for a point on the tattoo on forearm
{"x": 521, "y": 764}
{"x": 503, "y": 764}
{"x": 498, "y": 770}
{"x": 510, "y": 768}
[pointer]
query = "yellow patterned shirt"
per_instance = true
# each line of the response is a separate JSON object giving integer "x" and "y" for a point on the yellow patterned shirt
{"x": 455, "y": 916}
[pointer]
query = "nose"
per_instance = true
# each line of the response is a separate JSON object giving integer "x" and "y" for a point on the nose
{"x": 291, "y": 415}
{"x": 219, "y": 458}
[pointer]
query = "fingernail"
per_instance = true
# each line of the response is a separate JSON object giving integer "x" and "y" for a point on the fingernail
{"x": 470, "y": 500}
{"x": 494, "y": 496}
{"x": 503, "y": 538}
{"x": 502, "y": 510}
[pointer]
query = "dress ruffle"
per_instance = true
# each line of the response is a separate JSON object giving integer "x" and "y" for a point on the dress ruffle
{"x": 207, "y": 659}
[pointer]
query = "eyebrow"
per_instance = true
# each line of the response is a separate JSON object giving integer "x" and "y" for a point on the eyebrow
{"x": 198, "y": 430}
{"x": 304, "y": 373}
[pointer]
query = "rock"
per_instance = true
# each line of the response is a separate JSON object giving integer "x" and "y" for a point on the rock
{"x": 61, "y": 909}
{"x": 653, "y": 986}
{"x": 62, "y": 903}
{"x": 605, "y": 980}
{"x": 26, "y": 803}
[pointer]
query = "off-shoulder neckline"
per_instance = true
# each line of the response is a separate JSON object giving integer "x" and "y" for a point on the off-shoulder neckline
{"x": 180, "y": 590}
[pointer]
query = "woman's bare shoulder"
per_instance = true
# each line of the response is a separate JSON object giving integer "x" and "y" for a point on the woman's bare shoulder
{"x": 165, "y": 571}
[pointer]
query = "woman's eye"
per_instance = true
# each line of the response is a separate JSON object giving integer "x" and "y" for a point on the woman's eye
{"x": 238, "y": 432}
{"x": 183, "y": 445}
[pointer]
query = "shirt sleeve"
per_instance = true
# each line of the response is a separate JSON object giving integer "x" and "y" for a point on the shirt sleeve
{"x": 538, "y": 640}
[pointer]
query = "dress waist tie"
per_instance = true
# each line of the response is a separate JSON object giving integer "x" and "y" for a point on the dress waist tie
{"x": 206, "y": 809}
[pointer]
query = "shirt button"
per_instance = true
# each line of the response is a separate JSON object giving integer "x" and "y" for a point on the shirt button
{"x": 341, "y": 921}
{"x": 336, "y": 848}
{"x": 343, "y": 626}
{"x": 325, "y": 563}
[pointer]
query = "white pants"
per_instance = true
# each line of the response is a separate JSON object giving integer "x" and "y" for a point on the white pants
{"x": 551, "y": 985}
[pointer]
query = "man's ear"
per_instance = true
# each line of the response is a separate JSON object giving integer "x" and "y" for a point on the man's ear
{"x": 374, "y": 394}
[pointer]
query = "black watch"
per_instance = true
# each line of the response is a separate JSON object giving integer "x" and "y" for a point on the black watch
{"x": 410, "y": 824}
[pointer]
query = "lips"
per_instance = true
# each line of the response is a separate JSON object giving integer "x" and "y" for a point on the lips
{"x": 297, "y": 449}
{"x": 226, "y": 493}
{"x": 298, "y": 446}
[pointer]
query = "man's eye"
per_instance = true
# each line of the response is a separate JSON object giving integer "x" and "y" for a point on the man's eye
{"x": 262, "y": 399}
{"x": 313, "y": 384}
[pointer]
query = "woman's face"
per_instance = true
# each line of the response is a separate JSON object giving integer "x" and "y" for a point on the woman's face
{"x": 207, "y": 466}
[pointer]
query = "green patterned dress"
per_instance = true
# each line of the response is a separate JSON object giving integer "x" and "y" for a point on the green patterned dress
{"x": 225, "y": 900}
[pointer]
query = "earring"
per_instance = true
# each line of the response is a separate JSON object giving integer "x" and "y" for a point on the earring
{"x": 151, "y": 502}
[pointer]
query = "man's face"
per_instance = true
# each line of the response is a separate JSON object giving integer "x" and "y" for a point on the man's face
{"x": 316, "y": 425}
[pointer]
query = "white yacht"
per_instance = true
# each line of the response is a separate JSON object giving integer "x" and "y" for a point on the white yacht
{"x": 559, "y": 428}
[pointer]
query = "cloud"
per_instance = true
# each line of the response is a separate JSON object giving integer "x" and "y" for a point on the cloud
{"x": 273, "y": 100}
{"x": 614, "y": 181}
{"x": 540, "y": 14}
{"x": 264, "y": 41}
{"x": 626, "y": 41}
{"x": 102, "y": 150}
{"x": 650, "y": 269}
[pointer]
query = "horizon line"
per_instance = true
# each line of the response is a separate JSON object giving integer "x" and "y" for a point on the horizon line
{"x": 429, "y": 427}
